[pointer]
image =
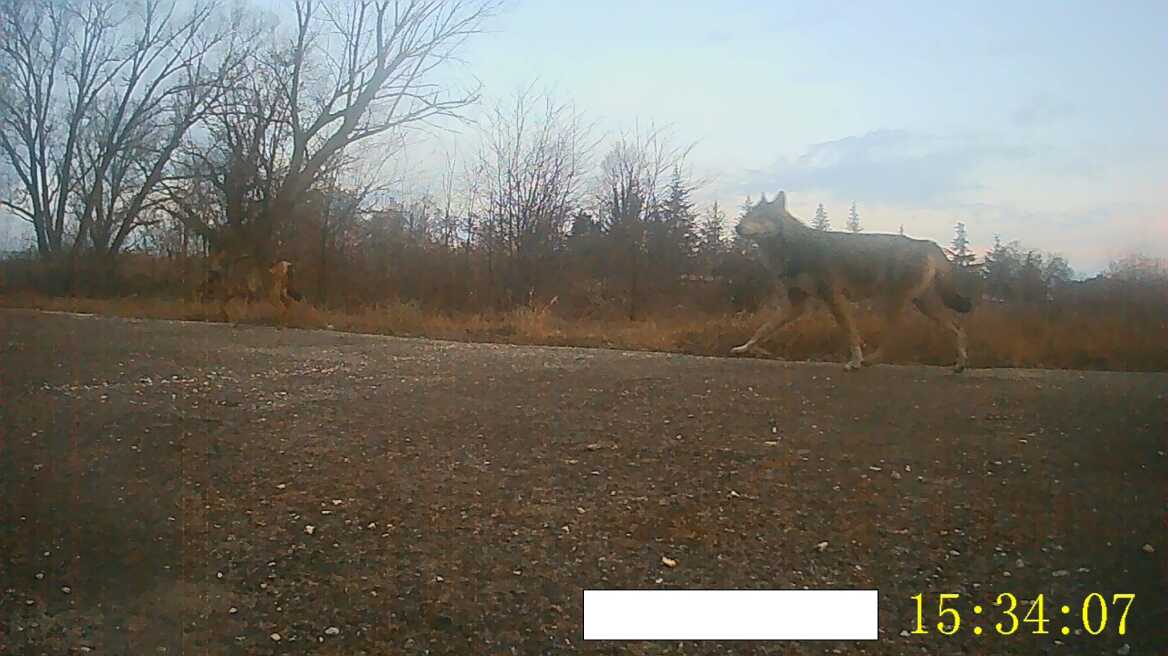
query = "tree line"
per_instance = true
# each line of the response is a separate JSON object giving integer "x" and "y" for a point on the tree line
{"x": 118, "y": 115}
{"x": 182, "y": 129}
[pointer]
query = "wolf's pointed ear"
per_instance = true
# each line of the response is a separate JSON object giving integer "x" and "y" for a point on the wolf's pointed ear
{"x": 762, "y": 200}
{"x": 781, "y": 200}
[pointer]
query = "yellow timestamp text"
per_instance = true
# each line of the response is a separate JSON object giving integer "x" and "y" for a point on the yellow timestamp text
{"x": 1094, "y": 614}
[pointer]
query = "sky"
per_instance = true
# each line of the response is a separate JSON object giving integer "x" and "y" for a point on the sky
{"x": 1042, "y": 122}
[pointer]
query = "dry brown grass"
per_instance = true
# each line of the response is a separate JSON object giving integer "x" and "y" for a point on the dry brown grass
{"x": 1000, "y": 336}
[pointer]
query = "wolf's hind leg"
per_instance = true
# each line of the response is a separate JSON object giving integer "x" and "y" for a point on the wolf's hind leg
{"x": 932, "y": 307}
{"x": 798, "y": 307}
{"x": 893, "y": 312}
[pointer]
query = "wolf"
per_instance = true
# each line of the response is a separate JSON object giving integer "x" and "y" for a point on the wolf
{"x": 893, "y": 271}
{"x": 243, "y": 277}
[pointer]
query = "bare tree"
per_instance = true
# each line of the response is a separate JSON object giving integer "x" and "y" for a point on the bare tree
{"x": 629, "y": 191}
{"x": 176, "y": 72}
{"x": 346, "y": 196}
{"x": 448, "y": 219}
{"x": 54, "y": 63}
{"x": 531, "y": 168}
{"x": 350, "y": 71}
{"x": 234, "y": 164}
{"x": 100, "y": 95}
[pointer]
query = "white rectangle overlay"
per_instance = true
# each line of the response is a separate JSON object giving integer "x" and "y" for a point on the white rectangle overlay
{"x": 730, "y": 614}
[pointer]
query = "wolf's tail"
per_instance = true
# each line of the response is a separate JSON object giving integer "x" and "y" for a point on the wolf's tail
{"x": 948, "y": 291}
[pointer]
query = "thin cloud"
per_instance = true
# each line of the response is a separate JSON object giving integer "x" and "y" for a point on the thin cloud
{"x": 1042, "y": 111}
{"x": 887, "y": 166}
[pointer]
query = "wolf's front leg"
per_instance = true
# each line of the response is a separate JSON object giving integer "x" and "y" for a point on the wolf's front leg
{"x": 798, "y": 306}
{"x": 839, "y": 309}
{"x": 751, "y": 346}
{"x": 857, "y": 359}
{"x": 892, "y": 316}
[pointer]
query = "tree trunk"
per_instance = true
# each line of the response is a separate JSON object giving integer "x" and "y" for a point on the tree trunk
{"x": 322, "y": 272}
{"x": 633, "y": 290}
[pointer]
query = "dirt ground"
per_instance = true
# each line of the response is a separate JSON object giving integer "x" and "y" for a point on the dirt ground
{"x": 191, "y": 488}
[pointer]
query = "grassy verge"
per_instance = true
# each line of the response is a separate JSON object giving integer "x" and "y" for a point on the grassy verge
{"x": 999, "y": 336}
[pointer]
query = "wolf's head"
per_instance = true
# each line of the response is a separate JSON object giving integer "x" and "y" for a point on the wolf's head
{"x": 280, "y": 269}
{"x": 767, "y": 219}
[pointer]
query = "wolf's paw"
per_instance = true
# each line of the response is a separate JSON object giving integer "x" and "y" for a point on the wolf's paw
{"x": 959, "y": 367}
{"x": 749, "y": 349}
{"x": 853, "y": 365}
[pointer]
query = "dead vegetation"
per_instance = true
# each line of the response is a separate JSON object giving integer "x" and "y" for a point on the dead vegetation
{"x": 1000, "y": 335}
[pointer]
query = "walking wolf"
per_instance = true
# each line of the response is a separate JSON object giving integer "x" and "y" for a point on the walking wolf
{"x": 243, "y": 277}
{"x": 838, "y": 267}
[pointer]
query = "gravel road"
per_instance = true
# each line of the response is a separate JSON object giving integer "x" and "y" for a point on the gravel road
{"x": 189, "y": 488}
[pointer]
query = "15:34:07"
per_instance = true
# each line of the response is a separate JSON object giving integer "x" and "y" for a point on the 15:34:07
{"x": 1092, "y": 614}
